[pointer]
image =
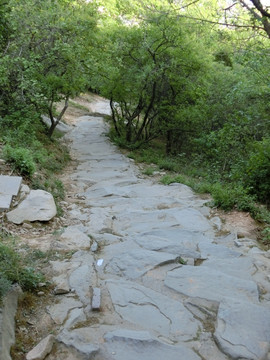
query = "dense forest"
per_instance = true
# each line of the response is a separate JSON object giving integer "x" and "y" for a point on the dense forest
{"x": 188, "y": 84}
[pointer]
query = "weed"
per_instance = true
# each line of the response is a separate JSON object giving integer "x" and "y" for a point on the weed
{"x": 182, "y": 261}
{"x": 13, "y": 270}
{"x": 149, "y": 171}
{"x": 78, "y": 106}
{"x": 266, "y": 235}
{"x": 21, "y": 159}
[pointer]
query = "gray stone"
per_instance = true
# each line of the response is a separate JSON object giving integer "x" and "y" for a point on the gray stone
{"x": 75, "y": 317}
{"x": 7, "y": 322}
{"x": 152, "y": 311}
{"x": 59, "y": 311}
{"x": 243, "y": 330}
{"x": 62, "y": 127}
{"x": 62, "y": 284}
{"x": 77, "y": 340}
{"x": 133, "y": 263}
{"x": 241, "y": 267}
{"x": 5, "y": 202}
{"x": 133, "y": 345}
{"x": 39, "y": 205}
{"x": 218, "y": 251}
{"x": 80, "y": 281}
{"x": 192, "y": 219}
{"x": 10, "y": 185}
{"x": 42, "y": 349}
{"x": 94, "y": 247}
{"x": 74, "y": 239}
{"x": 217, "y": 222}
{"x": 141, "y": 221}
{"x": 207, "y": 348}
{"x": 206, "y": 283}
{"x": 24, "y": 191}
{"x": 175, "y": 241}
{"x": 82, "y": 274}
{"x": 202, "y": 309}
{"x": 96, "y": 299}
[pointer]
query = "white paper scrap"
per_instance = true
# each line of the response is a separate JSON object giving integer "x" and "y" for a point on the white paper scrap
{"x": 99, "y": 262}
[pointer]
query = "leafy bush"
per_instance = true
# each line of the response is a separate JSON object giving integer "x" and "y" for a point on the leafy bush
{"x": 13, "y": 270}
{"x": 227, "y": 197}
{"x": 21, "y": 159}
{"x": 258, "y": 171}
{"x": 5, "y": 285}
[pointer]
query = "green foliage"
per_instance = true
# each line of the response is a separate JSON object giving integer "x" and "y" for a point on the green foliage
{"x": 13, "y": 270}
{"x": 151, "y": 75}
{"x": 266, "y": 235}
{"x": 149, "y": 171}
{"x": 5, "y": 285}
{"x": 21, "y": 159}
{"x": 47, "y": 56}
{"x": 258, "y": 170}
{"x": 228, "y": 197}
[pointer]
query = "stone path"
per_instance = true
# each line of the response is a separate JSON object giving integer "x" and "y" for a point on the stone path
{"x": 171, "y": 287}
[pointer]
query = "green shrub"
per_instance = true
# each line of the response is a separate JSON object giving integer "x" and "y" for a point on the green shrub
{"x": 266, "y": 235}
{"x": 5, "y": 285}
{"x": 149, "y": 171}
{"x": 258, "y": 171}
{"x": 21, "y": 159}
{"x": 227, "y": 197}
{"x": 13, "y": 270}
{"x": 168, "y": 164}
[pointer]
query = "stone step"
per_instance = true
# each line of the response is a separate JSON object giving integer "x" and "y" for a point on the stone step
{"x": 9, "y": 187}
{"x": 5, "y": 202}
{"x": 96, "y": 299}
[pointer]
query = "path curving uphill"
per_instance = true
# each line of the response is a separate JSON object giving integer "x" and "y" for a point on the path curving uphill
{"x": 150, "y": 276}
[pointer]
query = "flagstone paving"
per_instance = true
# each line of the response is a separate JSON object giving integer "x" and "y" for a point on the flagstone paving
{"x": 170, "y": 286}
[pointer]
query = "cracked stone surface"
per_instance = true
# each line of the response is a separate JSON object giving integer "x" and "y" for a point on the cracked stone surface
{"x": 210, "y": 284}
{"x": 172, "y": 286}
{"x": 133, "y": 345}
{"x": 243, "y": 330}
{"x": 151, "y": 310}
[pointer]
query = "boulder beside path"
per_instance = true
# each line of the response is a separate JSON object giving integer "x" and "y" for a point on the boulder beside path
{"x": 39, "y": 205}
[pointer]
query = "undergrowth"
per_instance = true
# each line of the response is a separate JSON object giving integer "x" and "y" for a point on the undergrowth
{"x": 227, "y": 194}
{"x": 15, "y": 268}
{"x": 32, "y": 154}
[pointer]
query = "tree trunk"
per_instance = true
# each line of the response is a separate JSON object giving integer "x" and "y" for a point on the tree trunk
{"x": 55, "y": 122}
{"x": 169, "y": 142}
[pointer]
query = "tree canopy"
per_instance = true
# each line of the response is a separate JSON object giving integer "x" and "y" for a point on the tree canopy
{"x": 191, "y": 75}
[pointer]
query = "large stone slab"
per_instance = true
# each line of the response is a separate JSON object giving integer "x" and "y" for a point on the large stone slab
{"x": 80, "y": 281}
{"x": 132, "y": 262}
{"x": 140, "y": 345}
{"x": 74, "y": 239}
{"x": 59, "y": 311}
{"x": 208, "y": 250}
{"x": 10, "y": 185}
{"x": 62, "y": 127}
{"x": 243, "y": 330}
{"x": 39, "y": 205}
{"x": 210, "y": 284}
{"x": 7, "y": 322}
{"x": 42, "y": 349}
{"x": 242, "y": 267}
{"x": 151, "y": 310}
{"x": 172, "y": 240}
{"x": 5, "y": 202}
{"x": 77, "y": 339}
